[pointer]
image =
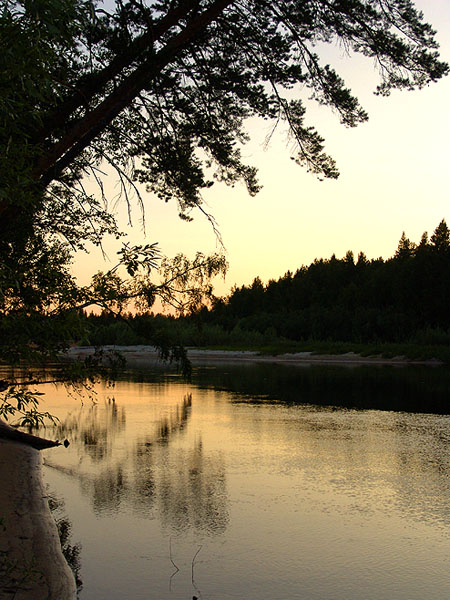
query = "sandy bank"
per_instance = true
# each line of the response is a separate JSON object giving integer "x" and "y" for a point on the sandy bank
{"x": 197, "y": 356}
{"x": 32, "y": 566}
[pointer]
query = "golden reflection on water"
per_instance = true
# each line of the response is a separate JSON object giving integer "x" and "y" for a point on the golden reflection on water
{"x": 287, "y": 497}
{"x": 137, "y": 461}
{"x": 137, "y": 444}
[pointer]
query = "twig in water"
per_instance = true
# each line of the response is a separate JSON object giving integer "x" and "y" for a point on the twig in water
{"x": 171, "y": 560}
{"x": 192, "y": 573}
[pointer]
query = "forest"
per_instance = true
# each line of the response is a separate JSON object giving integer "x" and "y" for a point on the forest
{"x": 401, "y": 300}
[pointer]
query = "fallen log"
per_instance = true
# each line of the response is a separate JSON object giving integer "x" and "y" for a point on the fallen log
{"x": 11, "y": 433}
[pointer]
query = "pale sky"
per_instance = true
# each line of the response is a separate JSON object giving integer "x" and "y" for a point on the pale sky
{"x": 395, "y": 176}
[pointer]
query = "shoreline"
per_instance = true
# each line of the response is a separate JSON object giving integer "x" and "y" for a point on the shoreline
{"x": 32, "y": 565}
{"x": 208, "y": 356}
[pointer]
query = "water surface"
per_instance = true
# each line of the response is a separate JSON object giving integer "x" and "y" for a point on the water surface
{"x": 226, "y": 488}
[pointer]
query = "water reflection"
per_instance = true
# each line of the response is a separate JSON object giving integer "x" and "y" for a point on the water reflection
{"x": 175, "y": 422}
{"x": 286, "y": 498}
{"x": 411, "y": 389}
{"x": 192, "y": 492}
{"x": 94, "y": 427}
{"x": 139, "y": 466}
{"x": 71, "y": 552}
{"x": 377, "y": 460}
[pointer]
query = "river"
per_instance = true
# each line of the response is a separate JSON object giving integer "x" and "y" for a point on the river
{"x": 257, "y": 481}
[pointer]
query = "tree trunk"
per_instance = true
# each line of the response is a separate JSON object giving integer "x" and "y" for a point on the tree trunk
{"x": 83, "y": 132}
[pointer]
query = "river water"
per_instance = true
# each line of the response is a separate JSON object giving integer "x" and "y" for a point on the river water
{"x": 258, "y": 481}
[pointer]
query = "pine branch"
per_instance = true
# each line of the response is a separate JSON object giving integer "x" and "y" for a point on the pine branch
{"x": 72, "y": 144}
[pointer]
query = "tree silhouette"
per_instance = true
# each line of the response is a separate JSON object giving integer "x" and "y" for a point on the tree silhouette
{"x": 394, "y": 300}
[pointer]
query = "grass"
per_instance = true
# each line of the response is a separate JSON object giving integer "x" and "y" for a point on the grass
{"x": 384, "y": 350}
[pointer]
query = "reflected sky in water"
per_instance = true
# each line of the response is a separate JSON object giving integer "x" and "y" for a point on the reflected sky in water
{"x": 178, "y": 489}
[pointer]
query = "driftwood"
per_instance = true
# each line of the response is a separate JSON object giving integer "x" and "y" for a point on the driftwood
{"x": 10, "y": 433}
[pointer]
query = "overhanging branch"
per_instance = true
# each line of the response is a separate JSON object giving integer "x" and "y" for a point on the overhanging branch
{"x": 80, "y": 135}
{"x": 92, "y": 84}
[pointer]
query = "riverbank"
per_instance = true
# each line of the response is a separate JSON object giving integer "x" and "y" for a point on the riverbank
{"x": 205, "y": 356}
{"x": 32, "y": 566}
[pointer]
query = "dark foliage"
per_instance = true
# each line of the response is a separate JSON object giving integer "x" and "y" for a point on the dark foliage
{"x": 347, "y": 300}
{"x": 402, "y": 299}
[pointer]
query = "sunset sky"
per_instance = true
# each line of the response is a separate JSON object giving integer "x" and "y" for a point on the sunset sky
{"x": 395, "y": 176}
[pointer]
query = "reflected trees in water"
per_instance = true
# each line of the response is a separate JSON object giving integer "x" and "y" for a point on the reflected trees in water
{"x": 148, "y": 471}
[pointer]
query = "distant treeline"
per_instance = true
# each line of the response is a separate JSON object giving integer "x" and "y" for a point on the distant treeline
{"x": 401, "y": 299}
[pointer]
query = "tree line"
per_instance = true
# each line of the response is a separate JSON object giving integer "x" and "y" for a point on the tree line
{"x": 351, "y": 299}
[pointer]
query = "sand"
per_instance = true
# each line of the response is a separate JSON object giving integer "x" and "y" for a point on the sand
{"x": 196, "y": 356}
{"x": 32, "y": 566}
